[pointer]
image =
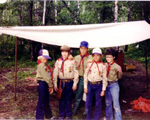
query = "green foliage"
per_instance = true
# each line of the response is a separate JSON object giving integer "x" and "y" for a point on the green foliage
{"x": 136, "y": 10}
{"x": 138, "y": 54}
{"x": 24, "y": 74}
{"x": 96, "y": 12}
{"x": 123, "y": 11}
{"x": 17, "y": 13}
{"x": 65, "y": 17}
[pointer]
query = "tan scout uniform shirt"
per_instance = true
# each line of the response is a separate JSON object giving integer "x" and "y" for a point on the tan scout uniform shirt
{"x": 92, "y": 74}
{"x": 115, "y": 72}
{"x": 69, "y": 71}
{"x": 43, "y": 74}
{"x": 78, "y": 58}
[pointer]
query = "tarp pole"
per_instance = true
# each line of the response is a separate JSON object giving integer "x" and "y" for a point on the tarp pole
{"x": 147, "y": 81}
{"x": 16, "y": 67}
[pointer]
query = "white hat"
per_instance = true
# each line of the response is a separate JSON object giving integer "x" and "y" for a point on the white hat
{"x": 44, "y": 53}
{"x": 97, "y": 51}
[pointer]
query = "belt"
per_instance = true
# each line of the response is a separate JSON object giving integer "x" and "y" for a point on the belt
{"x": 111, "y": 82}
{"x": 95, "y": 83}
{"x": 66, "y": 80}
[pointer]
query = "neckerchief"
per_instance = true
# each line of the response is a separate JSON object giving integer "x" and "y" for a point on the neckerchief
{"x": 97, "y": 67}
{"x": 62, "y": 65}
{"x": 82, "y": 60}
{"x": 39, "y": 61}
{"x": 108, "y": 68}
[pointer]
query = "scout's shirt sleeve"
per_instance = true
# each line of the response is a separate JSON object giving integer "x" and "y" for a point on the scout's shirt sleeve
{"x": 119, "y": 72}
{"x": 76, "y": 73}
{"x": 42, "y": 70}
{"x": 55, "y": 73}
{"x": 86, "y": 76}
{"x": 104, "y": 77}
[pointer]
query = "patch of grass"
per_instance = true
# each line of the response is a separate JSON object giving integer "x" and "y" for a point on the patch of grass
{"x": 23, "y": 74}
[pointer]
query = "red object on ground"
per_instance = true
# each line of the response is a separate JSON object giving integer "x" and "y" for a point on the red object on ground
{"x": 141, "y": 104}
{"x": 34, "y": 73}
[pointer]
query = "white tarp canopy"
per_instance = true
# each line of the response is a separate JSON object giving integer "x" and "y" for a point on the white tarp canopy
{"x": 98, "y": 35}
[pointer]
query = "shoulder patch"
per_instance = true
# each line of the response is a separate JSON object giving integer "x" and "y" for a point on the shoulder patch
{"x": 45, "y": 68}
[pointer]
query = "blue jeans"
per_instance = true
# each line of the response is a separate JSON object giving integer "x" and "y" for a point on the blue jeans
{"x": 65, "y": 108}
{"x": 94, "y": 90}
{"x": 112, "y": 96}
{"x": 43, "y": 107}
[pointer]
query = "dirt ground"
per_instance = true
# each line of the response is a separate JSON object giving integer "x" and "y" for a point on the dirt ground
{"x": 132, "y": 86}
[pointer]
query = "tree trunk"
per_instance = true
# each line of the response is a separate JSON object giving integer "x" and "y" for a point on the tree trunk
{"x": 77, "y": 12}
{"x": 116, "y": 17}
{"x": 103, "y": 15}
{"x": 56, "y": 12}
{"x": 30, "y": 23}
{"x": 43, "y": 22}
{"x": 44, "y": 11}
{"x": 30, "y": 12}
{"x": 20, "y": 16}
{"x": 126, "y": 46}
{"x": 116, "y": 11}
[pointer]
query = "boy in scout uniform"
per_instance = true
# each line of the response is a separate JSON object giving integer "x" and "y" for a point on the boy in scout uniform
{"x": 67, "y": 73}
{"x": 95, "y": 83}
{"x": 45, "y": 86}
{"x": 114, "y": 73}
{"x": 81, "y": 61}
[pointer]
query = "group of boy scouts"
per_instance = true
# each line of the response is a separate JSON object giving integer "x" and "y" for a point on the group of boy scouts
{"x": 84, "y": 73}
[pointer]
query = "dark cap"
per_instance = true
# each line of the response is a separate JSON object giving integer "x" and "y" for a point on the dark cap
{"x": 84, "y": 44}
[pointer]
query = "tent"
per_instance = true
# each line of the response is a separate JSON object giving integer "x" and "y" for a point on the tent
{"x": 98, "y": 35}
